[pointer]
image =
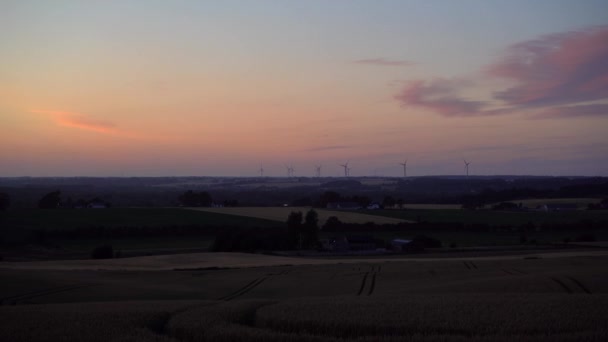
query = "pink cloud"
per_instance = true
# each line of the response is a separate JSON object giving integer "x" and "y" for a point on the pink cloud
{"x": 440, "y": 96}
{"x": 562, "y": 68}
{"x": 384, "y": 62}
{"x": 554, "y": 75}
{"x": 80, "y": 121}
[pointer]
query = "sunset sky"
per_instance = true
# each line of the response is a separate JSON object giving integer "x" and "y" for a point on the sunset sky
{"x": 215, "y": 88}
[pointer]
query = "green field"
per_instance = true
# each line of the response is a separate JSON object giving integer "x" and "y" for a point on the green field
{"x": 21, "y": 238}
{"x": 546, "y": 297}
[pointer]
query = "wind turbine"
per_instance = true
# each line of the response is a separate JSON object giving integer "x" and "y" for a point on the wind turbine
{"x": 466, "y": 166}
{"x": 346, "y": 169}
{"x": 261, "y": 170}
{"x": 318, "y": 170}
{"x": 289, "y": 170}
{"x": 404, "y": 164}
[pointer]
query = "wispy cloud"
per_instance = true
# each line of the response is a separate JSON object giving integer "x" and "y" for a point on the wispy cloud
{"x": 384, "y": 62}
{"x": 555, "y": 76}
{"x": 573, "y": 111}
{"x": 80, "y": 121}
{"x": 329, "y": 148}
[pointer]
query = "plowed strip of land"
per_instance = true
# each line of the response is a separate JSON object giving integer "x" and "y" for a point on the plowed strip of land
{"x": 280, "y": 214}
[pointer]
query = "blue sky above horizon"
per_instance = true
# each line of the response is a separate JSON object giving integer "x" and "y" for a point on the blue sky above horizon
{"x": 212, "y": 88}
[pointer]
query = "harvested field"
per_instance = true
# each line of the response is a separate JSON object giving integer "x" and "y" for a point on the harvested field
{"x": 280, "y": 214}
{"x": 479, "y": 299}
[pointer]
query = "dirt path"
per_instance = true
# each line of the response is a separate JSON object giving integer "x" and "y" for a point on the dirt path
{"x": 243, "y": 260}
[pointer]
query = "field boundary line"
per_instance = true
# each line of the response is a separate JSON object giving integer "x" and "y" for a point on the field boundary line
{"x": 362, "y": 284}
{"x": 507, "y": 272}
{"x": 583, "y": 287}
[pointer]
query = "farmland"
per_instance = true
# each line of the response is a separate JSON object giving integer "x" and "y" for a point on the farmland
{"x": 493, "y": 217}
{"x": 536, "y": 297}
{"x": 280, "y": 214}
{"x": 498, "y": 275}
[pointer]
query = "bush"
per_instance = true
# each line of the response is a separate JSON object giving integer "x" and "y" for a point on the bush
{"x": 102, "y": 252}
{"x": 426, "y": 242}
{"x": 585, "y": 238}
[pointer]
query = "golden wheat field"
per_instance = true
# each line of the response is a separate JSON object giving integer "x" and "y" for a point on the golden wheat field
{"x": 545, "y": 297}
{"x": 280, "y": 214}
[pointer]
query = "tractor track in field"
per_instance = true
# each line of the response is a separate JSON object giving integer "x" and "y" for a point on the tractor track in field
{"x": 469, "y": 265}
{"x": 579, "y": 284}
{"x": 362, "y": 284}
{"x": 371, "y": 275}
{"x": 513, "y": 271}
{"x": 40, "y": 293}
{"x": 373, "y": 285}
{"x": 562, "y": 284}
{"x": 250, "y": 286}
{"x": 518, "y": 271}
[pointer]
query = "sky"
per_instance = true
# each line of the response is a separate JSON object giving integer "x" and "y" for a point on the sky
{"x": 224, "y": 88}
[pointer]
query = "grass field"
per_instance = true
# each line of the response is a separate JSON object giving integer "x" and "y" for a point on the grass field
{"x": 581, "y": 202}
{"x": 120, "y": 217}
{"x": 280, "y": 214}
{"x": 548, "y": 297}
{"x": 493, "y": 217}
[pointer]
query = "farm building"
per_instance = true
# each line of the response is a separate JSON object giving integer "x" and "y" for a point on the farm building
{"x": 559, "y": 207}
{"x": 335, "y": 244}
{"x": 97, "y": 203}
{"x": 374, "y": 206}
{"x": 349, "y": 243}
{"x": 400, "y": 245}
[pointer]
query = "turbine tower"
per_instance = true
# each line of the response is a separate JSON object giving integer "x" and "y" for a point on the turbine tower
{"x": 261, "y": 170}
{"x": 346, "y": 169}
{"x": 318, "y": 170}
{"x": 289, "y": 170}
{"x": 404, "y": 164}
{"x": 466, "y": 166}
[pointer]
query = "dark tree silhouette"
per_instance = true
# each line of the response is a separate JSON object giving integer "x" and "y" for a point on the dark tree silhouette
{"x": 389, "y": 202}
{"x": 50, "y": 200}
{"x": 311, "y": 229}
{"x": 193, "y": 199}
{"x": 332, "y": 223}
{"x": 294, "y": 229}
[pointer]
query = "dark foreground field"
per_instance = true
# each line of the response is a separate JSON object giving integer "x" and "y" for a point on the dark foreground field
{"x": 529, "y": 298}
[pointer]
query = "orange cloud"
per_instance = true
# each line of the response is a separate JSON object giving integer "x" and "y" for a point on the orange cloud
{"x": 76, "y": 120}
